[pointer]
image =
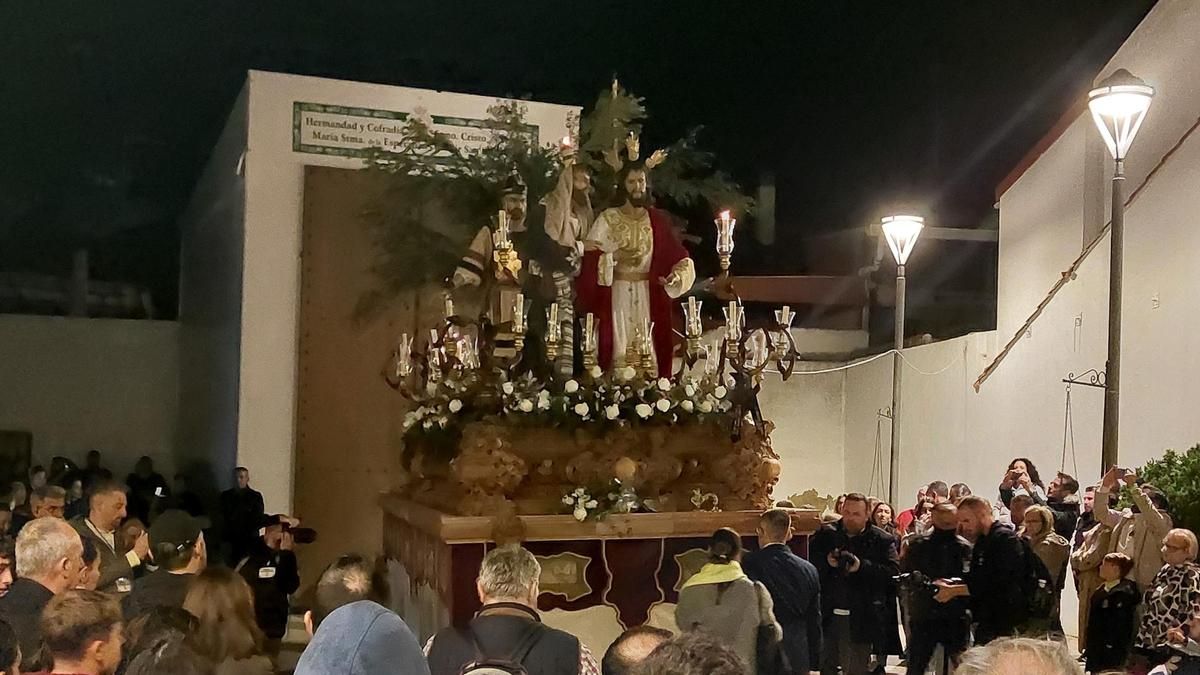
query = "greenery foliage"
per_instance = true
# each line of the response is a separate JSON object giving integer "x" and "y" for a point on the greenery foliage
{"x": 1177, "y": 474}
{"x": 438, "y": 195}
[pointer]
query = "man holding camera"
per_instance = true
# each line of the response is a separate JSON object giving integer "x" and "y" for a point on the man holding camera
{"x": 271, "y": 571}
{"x": 937, "y": 554}
{"x": 856, "y": 562}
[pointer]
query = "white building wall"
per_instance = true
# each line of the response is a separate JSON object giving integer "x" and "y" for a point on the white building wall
{"x": 210, "y": 304}
{"x": 271, "y": 263}
{"x": 82, "y": 384}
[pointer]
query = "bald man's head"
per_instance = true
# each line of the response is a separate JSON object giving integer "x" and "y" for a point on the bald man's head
{"x": 631, "y": 648}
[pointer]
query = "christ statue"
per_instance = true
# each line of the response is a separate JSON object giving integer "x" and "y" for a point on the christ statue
{"x": 633, "y": 268}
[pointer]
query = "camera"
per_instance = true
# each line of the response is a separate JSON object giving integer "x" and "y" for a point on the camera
{"x": 845, "y": 560}
{"x": 300, "y": 535}
{"x": 916, "y": 581}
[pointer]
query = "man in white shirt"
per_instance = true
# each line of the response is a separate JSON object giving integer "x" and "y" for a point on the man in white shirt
{"x": 106, "y": 511}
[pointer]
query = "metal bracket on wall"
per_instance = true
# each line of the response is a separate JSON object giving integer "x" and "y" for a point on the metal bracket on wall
{"x": 1089, "y": 378}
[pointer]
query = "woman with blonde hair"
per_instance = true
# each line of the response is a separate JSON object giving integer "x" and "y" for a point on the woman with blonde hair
{"x": 228, "y": 634}
{"x": 1054, "y": 552}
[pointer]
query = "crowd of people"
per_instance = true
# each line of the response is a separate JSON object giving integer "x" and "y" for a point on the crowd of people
{"x": 974, "y": 580}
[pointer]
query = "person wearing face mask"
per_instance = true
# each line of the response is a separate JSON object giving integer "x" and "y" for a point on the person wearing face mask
{"x": 937, "y": 554}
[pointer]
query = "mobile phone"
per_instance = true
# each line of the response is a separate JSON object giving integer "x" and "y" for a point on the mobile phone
{"x": 158, "y": 492}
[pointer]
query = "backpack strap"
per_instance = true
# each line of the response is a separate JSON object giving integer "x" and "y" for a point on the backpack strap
{"x": 531, "y": 637}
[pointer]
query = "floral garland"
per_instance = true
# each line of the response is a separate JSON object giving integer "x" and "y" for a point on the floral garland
{"x": 597, "y": 402}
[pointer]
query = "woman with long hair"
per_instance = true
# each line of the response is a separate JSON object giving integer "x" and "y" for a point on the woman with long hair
{"x": 228, "y": 635}
{"x": 881, "y": 517}
{"x": 1022, "y": 478}
{"x": 722, "y": 601}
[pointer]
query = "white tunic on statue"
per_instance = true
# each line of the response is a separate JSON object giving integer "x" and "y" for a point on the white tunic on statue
{"x": 627, "y": 250}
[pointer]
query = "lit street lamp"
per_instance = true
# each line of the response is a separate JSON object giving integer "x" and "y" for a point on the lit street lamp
{"x": 901, "y": 233}
{"x": 1118, "y": 106}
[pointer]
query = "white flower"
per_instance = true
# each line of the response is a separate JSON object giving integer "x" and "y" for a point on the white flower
{"x": 428, "y": 424}
{"x": 580, "y": 514}
{"x": 581, "y": 409}
{"x": 579, "y": 492}
{"x": 689, "y": 390}
{"x": 543, "y": 403}
{"x": 687, "y": 406}
{"x": 442, "y": 422}
{"x": 664, "y": 384}
{"x": 628, "y": 373}
{"x": 592, "y": 503}
{"x": 612, "y": 412}
{"x": 644, "y": 410}
{"x": 525, "y": 405}
{"x": 663, "y": 405}
{"x": 422, "y": 412}
{"x": 571, "y": 386}
{"x": 706, "y": 407}
{"x": 508, "y": 388}
{"x": 568, "y": 500}
{"x": 455, "y": 405}
{"x": 596, "y": 371}
{"x": 720, "y": 391}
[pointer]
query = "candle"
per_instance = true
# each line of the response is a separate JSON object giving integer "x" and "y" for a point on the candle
{"x": 433, "y": 337}
{"x": 554, "y": 314}
{"x": 589, "y": 330}
{"x": 449, "y": 307}
{"x": 502, "y": 228}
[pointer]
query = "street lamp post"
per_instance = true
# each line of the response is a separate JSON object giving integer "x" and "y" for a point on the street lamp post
{"x": 901, "y": 233}
{"x": 1118, "y": 106}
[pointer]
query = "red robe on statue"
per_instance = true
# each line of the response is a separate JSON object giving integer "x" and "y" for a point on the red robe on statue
{"x": 597, "y": 299}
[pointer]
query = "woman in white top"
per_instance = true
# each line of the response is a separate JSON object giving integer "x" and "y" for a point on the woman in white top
{"x": 1022, "y": 479}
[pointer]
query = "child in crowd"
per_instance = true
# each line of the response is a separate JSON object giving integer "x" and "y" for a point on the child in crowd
{"x": 1111, "y": 615}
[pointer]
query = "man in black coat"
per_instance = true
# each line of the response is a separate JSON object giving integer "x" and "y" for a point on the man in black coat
{"x": 856, "y": 562}
{"x": 995, "y": 583}
{"x": 795, "y": 588}
{"x": 178, "y": 547}
{"x": 49, "y": 558}
{"x": 937, "y": 554}
{"x": 243, "y": 514}
{"x": 270, "y": 570}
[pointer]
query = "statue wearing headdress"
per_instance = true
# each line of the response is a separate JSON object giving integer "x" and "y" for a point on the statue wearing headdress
{"x": 633, "y": 268}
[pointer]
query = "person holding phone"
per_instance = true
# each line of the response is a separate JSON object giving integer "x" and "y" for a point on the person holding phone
{"x": 1022, "y": 478}
{"x": 1137, "y": 531}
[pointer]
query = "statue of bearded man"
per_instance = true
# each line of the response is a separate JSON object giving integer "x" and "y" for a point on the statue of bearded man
{"x": 633, "y": 268}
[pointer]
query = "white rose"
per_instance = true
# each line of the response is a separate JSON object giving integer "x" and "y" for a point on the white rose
{"x": 592, "y": 504}
{"x": 687, "y": 406}
{"x": 581, "y": 409}
{"x": 706, "y": 407}
{"x": 579, "y": 492}
{"x": 720, "y": 391}
{"x": 580, "y": 514}
{"x": 568, "y": 500}
{"x": 571, "y": 387}
{"x": 628, "y": 373}
{"x": 422, "y": 411}
{"x": 663, "y": 405}
{"x": 508, "y": 388}
{"x": 442, "y": 422}
{"x": 428, "y": 424}
{"x": 596, "y": 371}
{"x": 455, "y": 405}
{"x": 690, "y": 391}
{"x": 543, "y": 395}
{"x": 664, "y": 384}
{"x": 612, "y": 412}
{"x": 525, "y": 405}
{"x": 543, "y": 403}
{"x": 644, "y": 410}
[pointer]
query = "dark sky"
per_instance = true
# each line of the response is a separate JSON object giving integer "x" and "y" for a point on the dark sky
{"x": 108, "y": 109}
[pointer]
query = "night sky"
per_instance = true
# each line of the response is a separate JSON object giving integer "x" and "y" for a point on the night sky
{"x": 108, "y": 109}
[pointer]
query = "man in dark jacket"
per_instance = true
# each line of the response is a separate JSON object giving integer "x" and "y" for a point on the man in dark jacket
{"x": 995, "y": 583}
{"x": 270, "y": 570}
{"x": 795, "y": 588}
{"x": 937, "y": 554}
{"x": 49, "y": 558}
{"x": 178, "y": 547}
{"x": 856, "y": 562}
{"x": 243, "y": 514}
{"x": 508, "y": 626}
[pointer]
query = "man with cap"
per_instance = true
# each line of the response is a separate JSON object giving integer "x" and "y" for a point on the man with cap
{"x": 270, "y": 570}
{"x": 177, "y": 545}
